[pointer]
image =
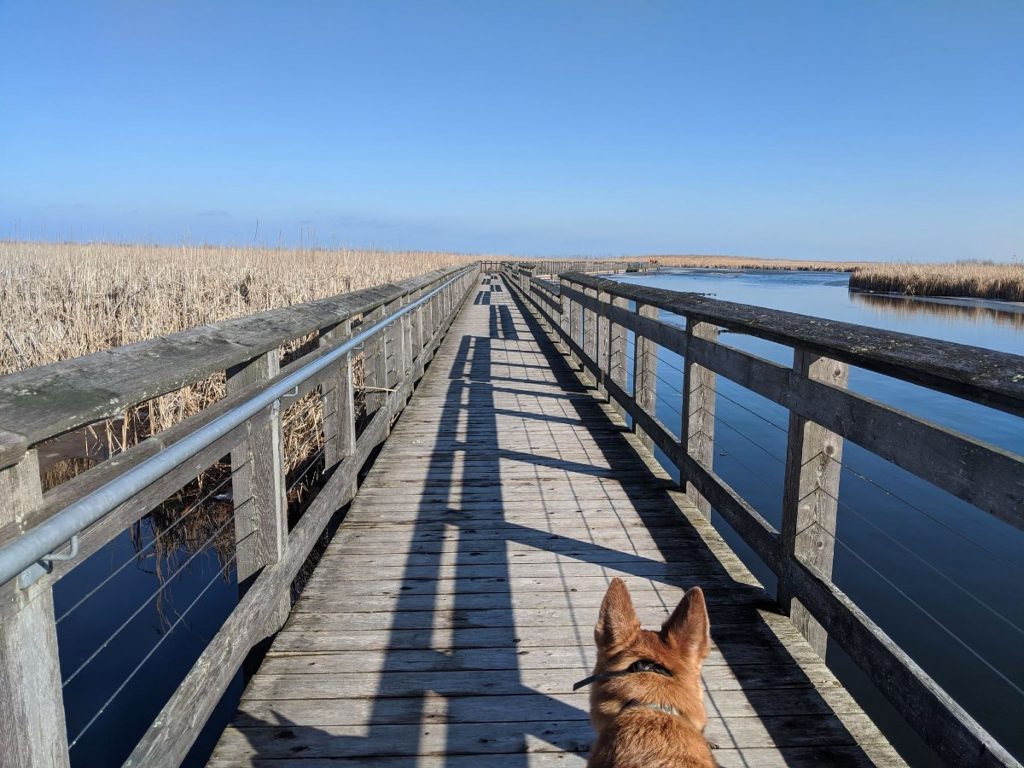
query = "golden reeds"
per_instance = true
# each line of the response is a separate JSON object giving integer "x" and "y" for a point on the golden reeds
{"x": 697, "y": 261}
{"x": 60, "y": 301}
{"x": 983, "y": 280}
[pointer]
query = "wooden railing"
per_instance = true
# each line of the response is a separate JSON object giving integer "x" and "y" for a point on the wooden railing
{"x": 41, "y": 403}
{"x": 592, "y": 317}
{"x": 550, "y": 267}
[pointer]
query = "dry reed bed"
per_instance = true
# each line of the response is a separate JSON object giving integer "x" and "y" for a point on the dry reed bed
{"x": 697, "y": 261}
{"x": 1004, "y": 282}
{"x": 61, "y": 301}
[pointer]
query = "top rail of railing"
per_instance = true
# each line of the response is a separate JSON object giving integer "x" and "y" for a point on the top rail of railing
{"x": 983, "y": 375}
{"x": 43, "y": 402}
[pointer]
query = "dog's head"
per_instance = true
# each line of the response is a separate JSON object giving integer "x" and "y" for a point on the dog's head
{"x": 666, "y": 663}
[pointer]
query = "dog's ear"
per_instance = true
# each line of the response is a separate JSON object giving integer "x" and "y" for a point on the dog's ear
{"x": 617, "y": 623}
{"x": 688, "y": 628}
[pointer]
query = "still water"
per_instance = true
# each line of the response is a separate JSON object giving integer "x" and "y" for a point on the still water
{"x": 941, "y": 577}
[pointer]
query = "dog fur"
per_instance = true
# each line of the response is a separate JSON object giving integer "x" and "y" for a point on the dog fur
{"x": 647, "y": 719}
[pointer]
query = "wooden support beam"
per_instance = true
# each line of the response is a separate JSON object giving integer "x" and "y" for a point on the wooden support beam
{"x": 603, "y": 342}
{"x": 810, "y": 498}
{"x": 698, "y": 425}
{"x": 617, "y": 359}
{"x": 338, "y": 400}
{"x": 32, "y": 729}
{"x": 645, "y": 365}
{"x": 258, "y": 483}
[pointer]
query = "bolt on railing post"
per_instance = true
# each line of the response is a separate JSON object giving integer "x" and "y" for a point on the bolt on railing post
{"x": 338, "y": 401}
{"x": 258, "y": 483}
{"x": 33, "y": 733}
{"x": 645, "y": 362}
{"x": 810, "y": 498}
{"x": 698, "y": 423}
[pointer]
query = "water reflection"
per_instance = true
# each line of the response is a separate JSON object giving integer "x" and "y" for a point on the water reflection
{"x": 976, "y": 311}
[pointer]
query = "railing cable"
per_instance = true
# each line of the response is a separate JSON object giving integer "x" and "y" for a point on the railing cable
{"x": 156, "y": 538}
{"x": 181, "y": 617}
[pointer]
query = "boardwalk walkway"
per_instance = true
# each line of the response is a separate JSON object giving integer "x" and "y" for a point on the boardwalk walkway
{"x": 455, "y": 607}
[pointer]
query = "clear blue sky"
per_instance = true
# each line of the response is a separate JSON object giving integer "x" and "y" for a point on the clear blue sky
{"x": 817, "y": 129}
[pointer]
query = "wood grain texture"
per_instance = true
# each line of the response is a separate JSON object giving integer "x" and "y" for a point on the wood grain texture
{"x": 32, "y": 729}
{"x": 454, "y": 608}
{"x": 810, "y": 499}
{"x": 257, "y": 482}
{"x": 698, "y": 420}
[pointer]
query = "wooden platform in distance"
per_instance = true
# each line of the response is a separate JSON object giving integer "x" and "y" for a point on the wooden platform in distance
{"x": 454, "y": 609}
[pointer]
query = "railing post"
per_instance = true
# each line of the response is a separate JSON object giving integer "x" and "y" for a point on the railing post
{"x": 590, "y": 330}
{"x": 338, "y": 401}
{"x": 575, "y": 326}
{"x": 565, "y": 311}
{"x": 602, "y": 341}
{"x": 377, "y": 347}
{"x": 810, "y": 498}
{"x": 257, "y": 482}
{"x": 645, "y": 362}
{"x": 698, "y": 424}
{"x": 33, "y": 733}
{"x": 617, "y": 343}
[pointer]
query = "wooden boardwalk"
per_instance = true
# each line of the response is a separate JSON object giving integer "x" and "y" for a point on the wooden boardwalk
{"x": 454, "y": 609}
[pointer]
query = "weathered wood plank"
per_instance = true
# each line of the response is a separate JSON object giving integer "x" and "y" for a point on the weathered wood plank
{"x": 698, "y": 419}
{"x": 32, "y": 729}
{"x": 810, "y": 498}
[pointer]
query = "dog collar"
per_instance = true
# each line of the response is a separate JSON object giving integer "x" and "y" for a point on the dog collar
{"x": 656, "y": 707}
{"x": 644, "y": 665}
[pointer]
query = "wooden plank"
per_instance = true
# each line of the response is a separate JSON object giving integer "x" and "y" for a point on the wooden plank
{"x": 645, "y": 381}
{"x": 257, "y": 482}
{"x": 338, "y": 398}
{"x": 32, "y": 729}
{"x": 810, "y": 498}
{"x": 698, "y": 419}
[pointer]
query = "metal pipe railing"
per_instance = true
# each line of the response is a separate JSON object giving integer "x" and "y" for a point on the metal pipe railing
{"x": 35, "y": 544}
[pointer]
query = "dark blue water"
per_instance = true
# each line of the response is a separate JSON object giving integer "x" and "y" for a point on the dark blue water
{"x": 941, "y": 577}
{"x": 135, "y": 637}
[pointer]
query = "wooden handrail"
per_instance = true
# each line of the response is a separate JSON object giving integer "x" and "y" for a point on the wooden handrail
{"x": 589, "y": 317}
{"x": 43, "y": 402}
{"x": 983, "y": 375}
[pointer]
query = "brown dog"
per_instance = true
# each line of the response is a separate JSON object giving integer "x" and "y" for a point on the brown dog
{"x": 647, "y": 704}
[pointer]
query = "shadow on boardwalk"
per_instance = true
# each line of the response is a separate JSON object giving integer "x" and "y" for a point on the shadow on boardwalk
{"x": 476, "y": 664}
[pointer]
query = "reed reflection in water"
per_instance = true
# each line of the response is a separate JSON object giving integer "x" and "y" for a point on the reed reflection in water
{"x": 956, "y": 310}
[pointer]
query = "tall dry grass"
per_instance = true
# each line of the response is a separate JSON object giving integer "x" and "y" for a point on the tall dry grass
{"x": 65, "y": 300}
{"x": 60, "y": 301}
{"x": 984, "y": 280}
